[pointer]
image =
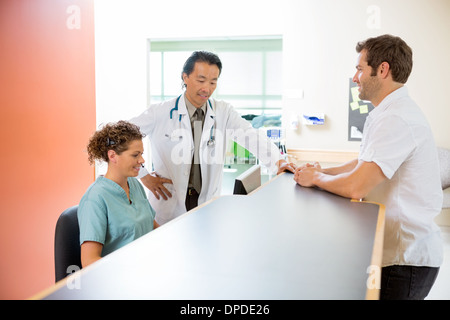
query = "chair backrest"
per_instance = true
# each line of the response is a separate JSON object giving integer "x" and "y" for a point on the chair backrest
{"x": 67, "y": 244}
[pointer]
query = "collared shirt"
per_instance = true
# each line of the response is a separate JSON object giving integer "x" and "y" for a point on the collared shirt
{"x": 195, "y": 174}
{"x": 105, "y": 214}
{"x": 399, "y": 140}
{"x": 191, "y": 109}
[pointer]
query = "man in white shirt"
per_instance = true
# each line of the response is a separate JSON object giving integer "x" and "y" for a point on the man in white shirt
{"x": 397, "y": 166}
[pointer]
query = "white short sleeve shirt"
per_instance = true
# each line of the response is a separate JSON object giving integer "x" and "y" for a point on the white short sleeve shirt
{"x": 398, "y": 139}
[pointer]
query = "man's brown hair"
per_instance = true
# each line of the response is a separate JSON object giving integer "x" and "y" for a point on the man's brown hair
{"x": 390, "y": 49}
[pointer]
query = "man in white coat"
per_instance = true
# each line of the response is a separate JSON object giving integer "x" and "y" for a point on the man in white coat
{"x": 189, "y": 145}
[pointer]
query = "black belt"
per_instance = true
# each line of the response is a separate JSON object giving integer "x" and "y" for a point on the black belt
{"x": 192, "y": 192}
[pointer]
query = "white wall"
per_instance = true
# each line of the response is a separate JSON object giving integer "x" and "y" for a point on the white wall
{"x": 319, "y": 53}
{"x": 123, "y": 27}
{"x": 320, "y": 39}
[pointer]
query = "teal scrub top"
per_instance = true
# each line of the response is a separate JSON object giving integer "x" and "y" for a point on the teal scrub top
{"x": 106, "y": 216}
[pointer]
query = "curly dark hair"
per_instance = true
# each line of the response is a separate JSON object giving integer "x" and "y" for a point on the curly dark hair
{"x": 113, "y": 136}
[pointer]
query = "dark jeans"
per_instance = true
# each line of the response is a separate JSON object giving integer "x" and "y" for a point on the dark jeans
{"x": 406, "y": 282}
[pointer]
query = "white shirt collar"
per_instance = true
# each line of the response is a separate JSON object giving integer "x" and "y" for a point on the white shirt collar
{"x": 388, "y": 100}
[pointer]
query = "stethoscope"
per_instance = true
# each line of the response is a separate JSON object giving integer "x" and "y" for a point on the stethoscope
{"x": 212, "y": 138}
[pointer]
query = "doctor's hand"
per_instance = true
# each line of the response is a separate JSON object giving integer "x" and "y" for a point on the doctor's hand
{"x": 156, "y": 185}
{"x": 315, "y": 165}
{"x": 283, "y": 166}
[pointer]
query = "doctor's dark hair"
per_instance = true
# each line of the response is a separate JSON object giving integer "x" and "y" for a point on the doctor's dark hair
{"x": 113, "y": 136}
{"x": 390, "y": 49}
{"x": 200, "y": 56}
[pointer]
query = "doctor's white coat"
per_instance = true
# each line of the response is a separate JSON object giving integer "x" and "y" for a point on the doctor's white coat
{"x": 172, "y": 148}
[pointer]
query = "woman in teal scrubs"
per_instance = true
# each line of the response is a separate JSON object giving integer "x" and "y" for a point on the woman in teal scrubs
{"x": 114, "y": 211}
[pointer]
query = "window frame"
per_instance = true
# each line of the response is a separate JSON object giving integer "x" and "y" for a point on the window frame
{"x": 263, "y": 44}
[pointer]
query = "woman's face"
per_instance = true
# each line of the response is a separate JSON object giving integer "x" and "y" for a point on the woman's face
{"x": 130, "y": 161}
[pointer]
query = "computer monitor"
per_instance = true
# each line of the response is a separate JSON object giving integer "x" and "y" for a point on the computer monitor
{"x": 248, "y": 180}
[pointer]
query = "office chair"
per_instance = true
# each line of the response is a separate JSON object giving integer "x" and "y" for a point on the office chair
{"x": 67, "y": 244}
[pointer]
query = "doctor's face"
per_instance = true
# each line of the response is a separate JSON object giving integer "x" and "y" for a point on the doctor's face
{"x": 201, "y": 83}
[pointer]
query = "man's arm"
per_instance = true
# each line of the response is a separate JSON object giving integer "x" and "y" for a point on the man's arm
{"x": 257, "y": 142}
{"x": 346, "y": 167}
{"x": 355, "y": 183}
